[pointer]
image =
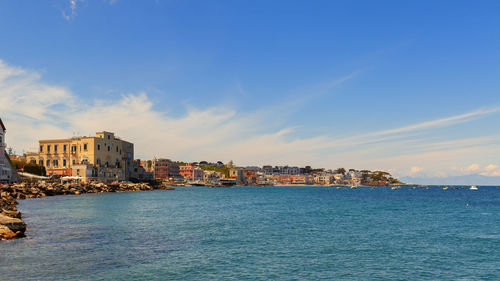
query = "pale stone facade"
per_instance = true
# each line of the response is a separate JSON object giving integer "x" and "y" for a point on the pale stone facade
{"x": 8, "y": 173}
{"x": 110, "y": 157}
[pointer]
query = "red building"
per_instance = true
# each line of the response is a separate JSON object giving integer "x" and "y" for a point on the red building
{"x": 164, "y": 169}
{"x": 191, "y": 172}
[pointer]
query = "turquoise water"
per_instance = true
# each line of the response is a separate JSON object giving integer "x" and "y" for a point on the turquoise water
{"x": 248, "y": 233}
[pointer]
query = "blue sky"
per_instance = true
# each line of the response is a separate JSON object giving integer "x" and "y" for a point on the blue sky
{"x": 324, "y": 83}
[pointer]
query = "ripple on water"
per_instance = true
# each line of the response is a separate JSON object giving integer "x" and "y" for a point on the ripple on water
{"x": 245, "y": 233}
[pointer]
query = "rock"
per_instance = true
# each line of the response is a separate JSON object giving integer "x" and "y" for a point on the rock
{"x": 12, "y": 214}
{"x": 11, "y": 225}
{"x": 6, "y": 233}
{"x": 14, "y": 224}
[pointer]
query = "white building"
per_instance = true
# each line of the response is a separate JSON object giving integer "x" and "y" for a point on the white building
{"x": 7, "y": 172}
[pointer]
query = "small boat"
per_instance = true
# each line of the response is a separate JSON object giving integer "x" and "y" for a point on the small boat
{"x": 395, "y": 187}
{"x": 473, "y": 187}
{"x": 445, "y": 188}
{"x": 353, "y": 187}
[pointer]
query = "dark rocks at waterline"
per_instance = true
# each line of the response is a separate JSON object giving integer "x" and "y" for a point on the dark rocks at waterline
{"x": 11, "y": 224}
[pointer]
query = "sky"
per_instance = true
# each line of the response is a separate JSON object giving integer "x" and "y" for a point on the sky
{"x": 409, "y": 87}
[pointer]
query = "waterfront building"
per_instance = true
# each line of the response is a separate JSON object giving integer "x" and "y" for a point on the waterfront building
{"x": 8, "y": 173}
{"x": 238, "y": 174}
{"x": 338, "y": 178}
{"x": 324, "y": 178}
{"x": 85, "y": 171}
{"x": 139, "y": 173}
{"x": 165, "y": 169}
{"x": 302, "y": 179}
{"x": 110, "y": 157}
{"x": 191, "y": 172}
{"x": 147, "y": 165}
{"x": 353, "y": 177}
{"x": 211, "y": 176}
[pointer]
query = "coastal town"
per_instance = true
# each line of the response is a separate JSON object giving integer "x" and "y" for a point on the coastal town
{"x": 108, "y": 158}
{"x": 106, "y": 163}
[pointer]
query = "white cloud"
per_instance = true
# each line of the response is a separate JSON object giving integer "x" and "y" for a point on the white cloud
{"x": 415, "y": 170}
{"x": 33, "y": 110}
{"x": 70, "y": 13}
{"x": 472, "y": 168}
{"x": 491, "y": 171}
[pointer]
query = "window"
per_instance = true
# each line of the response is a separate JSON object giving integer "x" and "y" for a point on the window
{"x": 64, "y": 148}
{"x": 48, "y": 148}
{"x": 55, "y": 148}
{"x": 0, "y": 140}
{"x": 109, "y": 148}
{"x": 98, "y": 146}
{"x": 85, "y": 146}
{"x": 109, "y": 137}
{"x": 55, "y": 163}
{"x": 40, "y": 162}
{"x": 47, "y": 163}
{"x": 41, "y": 148}
{"x": 64, "y": 162}
{"x": 117, "y": 149}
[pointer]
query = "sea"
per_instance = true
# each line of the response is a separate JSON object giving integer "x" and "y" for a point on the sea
{"x": 260, "y": 233}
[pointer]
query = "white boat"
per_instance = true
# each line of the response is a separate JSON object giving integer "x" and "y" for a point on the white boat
{"x": 445, "y": 188}
{"x": 473, "y": 187}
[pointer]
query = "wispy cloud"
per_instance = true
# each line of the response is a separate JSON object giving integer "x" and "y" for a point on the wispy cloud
{"x": 70, "y": 12}
{"x": 33, "y": 110}
{"x": 439, "y": 123}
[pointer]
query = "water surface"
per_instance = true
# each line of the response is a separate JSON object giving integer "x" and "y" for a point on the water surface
{"x": 249, "y": 233}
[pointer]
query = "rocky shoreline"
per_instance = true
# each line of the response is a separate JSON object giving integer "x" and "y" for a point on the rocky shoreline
{"x": 11, "y": 224}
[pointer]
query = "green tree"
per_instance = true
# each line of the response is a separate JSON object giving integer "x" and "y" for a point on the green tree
{"x": 35, "y": 169}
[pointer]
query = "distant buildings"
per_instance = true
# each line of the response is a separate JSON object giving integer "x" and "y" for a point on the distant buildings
{"x": 280, "y": 170}
{"x": 191, "y": 172}
{"x": 7, "y": 172}
{"x": 165, "y": 169}
{"x": 108, "y": 158}
{"x": 211, "y": 176}
{"x": 139, "y": 173}
{"x": 104, "y": 157}
{"x": 238, "y": 174}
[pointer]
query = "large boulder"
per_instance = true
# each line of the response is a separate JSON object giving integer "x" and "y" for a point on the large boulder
{"x": 11, "y": 213}
{"x": 15, "y": 224}
{"x": 6, "y": 233}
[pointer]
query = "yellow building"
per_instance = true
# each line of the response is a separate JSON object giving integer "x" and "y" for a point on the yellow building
{"x": 110, "y": 157}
